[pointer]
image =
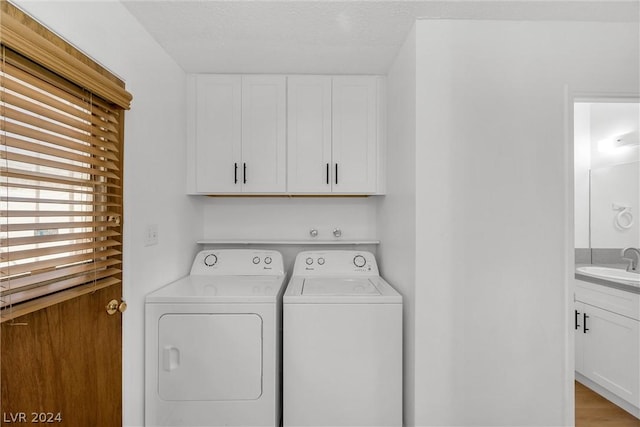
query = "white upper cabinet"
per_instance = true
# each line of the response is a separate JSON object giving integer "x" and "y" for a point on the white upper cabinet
{"x": 218, "y": 133}
{"x": 264, "y": 139}
{"x": 355, "y": 134}
{"x": 309, "y": 160}
{"x": 268, "y": 134}
{"x": 333, "y": 134}
{"x": 238, "y": 139}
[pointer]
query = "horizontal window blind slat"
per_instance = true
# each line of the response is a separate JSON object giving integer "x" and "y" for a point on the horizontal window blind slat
{"x": 77, "y": 136}
{"x": 57, "y": 225}
{"x": 67, "y": 189}
{"x": 40, "y": 176}
{"x": 98, "y": 122}
{"x": 57, "y": 201}
{"x": 63, "y": 154}
{"x": 83, "y": 100}
{"x": 81, "y": 125}
{"x": 53, "y": 250}
{"x": 49, "y": 289}
{"x": 56, "y": 165}
{"x": 19, "y": 241}
{"x": 55, "y": 262}
{"x": 66, "y": 283}
{"x": 57, "y": 274}
{"x": 35, "y": 214}
{"x": 50, "y": 90}
{"x": 50, "y": 139}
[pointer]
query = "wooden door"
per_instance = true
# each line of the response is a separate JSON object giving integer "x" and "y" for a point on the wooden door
{"x": 64, "y": 367}
{"x": 309, "y": 134}
{"x": 264, "y": 134}
{"x": 218, "y": 133}
{"x": 355, "y": 127}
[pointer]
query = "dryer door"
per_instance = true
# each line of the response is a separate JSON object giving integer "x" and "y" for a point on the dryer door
{"x": 210, "y": 357}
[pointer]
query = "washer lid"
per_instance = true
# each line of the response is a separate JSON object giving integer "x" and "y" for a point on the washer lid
{"x": 220, "y": 289}
{"x": 325, "y": 286}
{"x": 340, "y": 290}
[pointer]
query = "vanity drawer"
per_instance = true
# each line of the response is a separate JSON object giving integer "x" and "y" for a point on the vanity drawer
{"x": 614, "y": 300}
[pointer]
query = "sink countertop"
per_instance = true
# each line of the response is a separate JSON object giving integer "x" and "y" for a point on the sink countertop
{"x": 617, "y": 284}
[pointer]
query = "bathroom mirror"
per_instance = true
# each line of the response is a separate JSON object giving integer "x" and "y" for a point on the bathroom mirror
{"x": 607, "y": 180}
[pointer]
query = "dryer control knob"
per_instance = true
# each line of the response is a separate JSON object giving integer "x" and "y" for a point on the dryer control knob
{"x": 320, "y": 261}
{"x": 309, "y": 261}
{"x": 210, "y": 260}
{"x": 359, "y": 261}
{"x": 256, "y": 260}
{"x": 267, "y": 260}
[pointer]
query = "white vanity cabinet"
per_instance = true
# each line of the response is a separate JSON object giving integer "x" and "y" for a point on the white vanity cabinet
{"x": 334, "y": 134}
{"x": 607, "y": 339}
{"x": 237, "y": 134}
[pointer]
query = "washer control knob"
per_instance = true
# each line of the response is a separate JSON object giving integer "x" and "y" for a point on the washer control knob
{"x": 210, "y": 260}
{"x": 320, "y": 261}
{"x": 313, "y": 232}
{"x": 359, "y": 261}
{"x": 309, "y": 261}
{"x": 267, "y": 260}
{"x": 256, "y": 260}
{"x": 337, "y": 232}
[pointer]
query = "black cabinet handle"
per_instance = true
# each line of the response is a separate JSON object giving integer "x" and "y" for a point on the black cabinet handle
{"x": 244, "y": 173}
{"x": 577, "y": 313}
{"x": 327, "y": 173}
{"x": 336, "y": 173}
{"x": 235, "y": 173}
{"x": 584, "y": 322}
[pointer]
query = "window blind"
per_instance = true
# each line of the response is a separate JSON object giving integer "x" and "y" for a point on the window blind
{"x": 60, "y": 186}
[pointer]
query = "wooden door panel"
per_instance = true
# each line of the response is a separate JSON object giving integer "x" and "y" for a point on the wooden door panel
{"x": 67, "y": 361}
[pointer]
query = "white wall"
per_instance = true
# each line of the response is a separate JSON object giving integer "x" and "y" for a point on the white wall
{"x": 154, "y": 174}
{"x": 494, "y": 209}
{"x": 396, "y": 211}
{"x": 285, "y": 218}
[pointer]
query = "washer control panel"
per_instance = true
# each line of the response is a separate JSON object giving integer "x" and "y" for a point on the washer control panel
{"x": 336, "y": 263}
{"x": 247, "y": 262}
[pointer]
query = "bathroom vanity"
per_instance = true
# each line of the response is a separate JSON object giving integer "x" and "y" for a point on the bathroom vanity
{"x": 607, "y": 338}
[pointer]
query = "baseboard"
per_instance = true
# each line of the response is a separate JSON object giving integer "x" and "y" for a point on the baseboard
{"x": 633, "y": 410}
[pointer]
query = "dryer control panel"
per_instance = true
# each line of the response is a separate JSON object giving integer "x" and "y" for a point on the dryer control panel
{"x": 335, "y": 263}
{"x": 231, "y": 262}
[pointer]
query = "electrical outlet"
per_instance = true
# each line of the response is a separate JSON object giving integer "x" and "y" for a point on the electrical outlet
{"x": 151, "y": 235}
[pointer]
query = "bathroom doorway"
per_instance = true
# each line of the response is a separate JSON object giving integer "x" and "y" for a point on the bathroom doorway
{"x": 606, "y": 311}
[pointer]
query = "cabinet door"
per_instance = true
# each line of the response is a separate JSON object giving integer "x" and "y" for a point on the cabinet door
{"x": 354, "y": 134}
{"x": 611, "y": 353}
{"x": 579, "y": 335}
{"x": 309, "y": 134}
{"x": 263, "y": 134}
{"x": 218, "y": 133}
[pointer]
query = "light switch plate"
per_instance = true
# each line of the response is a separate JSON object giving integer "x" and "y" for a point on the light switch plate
{"x": 151, "y": 235}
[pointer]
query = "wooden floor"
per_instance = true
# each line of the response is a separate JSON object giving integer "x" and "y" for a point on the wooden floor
{"x": 593, "y": 410}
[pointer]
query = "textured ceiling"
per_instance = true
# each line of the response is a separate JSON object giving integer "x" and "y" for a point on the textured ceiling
{"x": 332, "y": 37}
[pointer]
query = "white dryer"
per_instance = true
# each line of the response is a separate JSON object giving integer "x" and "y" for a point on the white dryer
{"x": 342, "y": 343}
{"x": 213, "y": 343}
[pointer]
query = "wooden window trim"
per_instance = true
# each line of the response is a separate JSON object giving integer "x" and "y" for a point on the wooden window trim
{"x": 25, "y": 35}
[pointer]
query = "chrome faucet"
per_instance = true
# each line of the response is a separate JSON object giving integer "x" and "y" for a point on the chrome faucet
{"x": 634, "y": 264}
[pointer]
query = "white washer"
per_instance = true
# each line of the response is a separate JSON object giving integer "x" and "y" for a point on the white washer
{"x": 342, "y": 343}
{"x": 213, "y": 343}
